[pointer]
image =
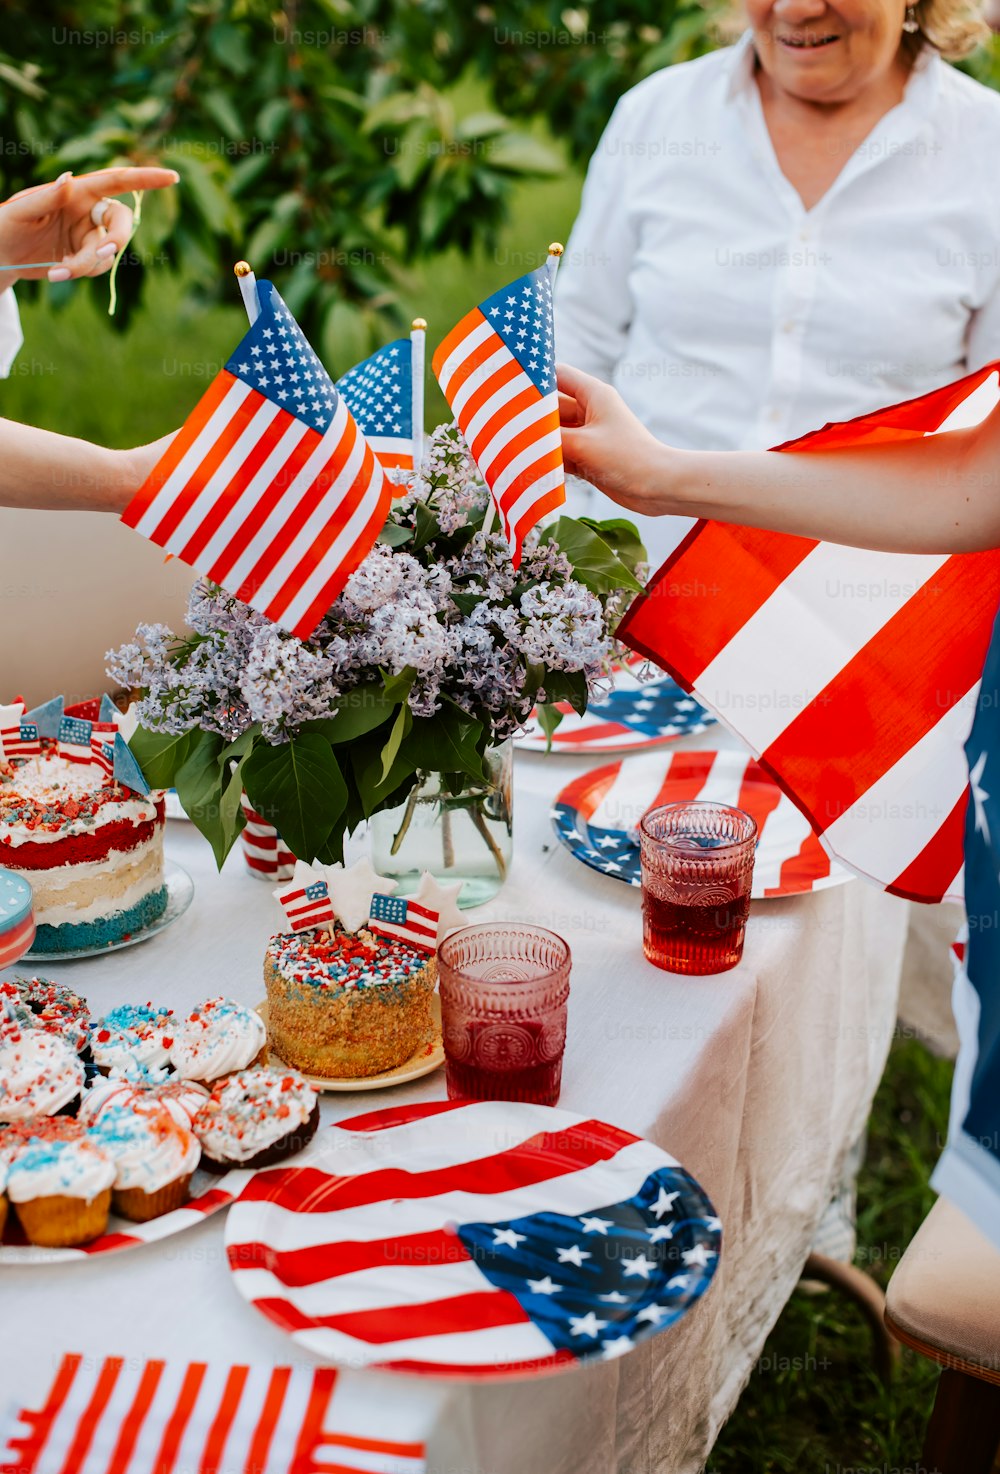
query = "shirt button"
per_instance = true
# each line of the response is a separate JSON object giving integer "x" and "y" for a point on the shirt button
{"x": 789, "y": 326}
{"x": 774, "y": 415}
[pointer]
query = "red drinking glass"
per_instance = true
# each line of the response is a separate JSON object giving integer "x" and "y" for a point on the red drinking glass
{"x": 697, "y": 870}
{"x": 504, "y": 988}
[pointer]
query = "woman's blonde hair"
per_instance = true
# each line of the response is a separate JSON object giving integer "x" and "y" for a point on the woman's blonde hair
{"x": 953, "y": 27}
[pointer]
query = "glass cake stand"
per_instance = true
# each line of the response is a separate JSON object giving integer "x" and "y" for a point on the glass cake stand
{"x": 180, "y": 894}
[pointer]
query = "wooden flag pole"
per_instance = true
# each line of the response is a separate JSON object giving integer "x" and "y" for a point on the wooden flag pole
{"x": 248, "y": 289}
{"x": 418, "y": 335}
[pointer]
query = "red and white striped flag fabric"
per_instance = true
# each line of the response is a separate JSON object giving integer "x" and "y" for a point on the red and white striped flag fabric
{"x": 155, "y": 1417}
{"x": 392, "y": 916}
{"x": 306, "y": 899}
{"x": 496, "y": 369}
{"x": 265, "y": 852}
{"x": 10, "y": 729}
{"x": 75, "y": 740}
{"x": 851, "y": 674}
{"x": 269, "y": 488}
{"x": 102, "y": 746}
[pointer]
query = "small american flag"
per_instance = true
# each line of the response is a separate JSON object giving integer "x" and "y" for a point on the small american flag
{"x": 156, "y": 1417}
{"x": 379, "y": 394}
{"x": 10, "y": 729}
{"x": 102, "y": 746}
{"x": 74, "y": 739}
{"x": 307, "y": 906}
{"x": 496, "y": 369}
{"x": 851, "y": 674}
{"x": 29, "y": 742}
{"x": 269, "y": 489}
{"x": 392, "y": 916}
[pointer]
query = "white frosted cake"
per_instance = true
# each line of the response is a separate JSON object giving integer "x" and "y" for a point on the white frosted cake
{"x": 91, "y": 849}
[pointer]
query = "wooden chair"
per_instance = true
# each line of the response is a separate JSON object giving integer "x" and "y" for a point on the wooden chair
{"x": 944, "y": 1301}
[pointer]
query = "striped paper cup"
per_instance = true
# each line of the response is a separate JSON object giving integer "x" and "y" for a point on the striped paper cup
{"x": 266, "y": 854}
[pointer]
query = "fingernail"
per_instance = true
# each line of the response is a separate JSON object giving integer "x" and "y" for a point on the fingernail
{"x": 59, "y": 273}
{"x": 177, "y": 177}
{"x": 63, "y": 177}
{"x": 108, "y": 249}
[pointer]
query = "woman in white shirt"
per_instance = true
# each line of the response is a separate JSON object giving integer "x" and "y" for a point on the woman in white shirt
{"x": 797, "y": 229}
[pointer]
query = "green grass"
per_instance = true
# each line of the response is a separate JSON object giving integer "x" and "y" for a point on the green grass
{"x": 814, "y": 1404}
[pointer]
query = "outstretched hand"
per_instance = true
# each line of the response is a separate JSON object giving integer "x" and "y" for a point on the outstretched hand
{"x": 605, "y": 444}
{"x": 55, "y": 222}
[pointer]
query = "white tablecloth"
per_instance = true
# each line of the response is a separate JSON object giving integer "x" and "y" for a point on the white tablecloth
{"x": 757, "y": 1080}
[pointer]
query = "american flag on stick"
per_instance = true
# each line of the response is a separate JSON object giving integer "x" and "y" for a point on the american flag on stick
{"x": 496, "y": 369}
{"x": 102, "y": 746}
{"x": 269, "y": 488}
{"x": 852, "y": 675}
{"x": 408, "y": 921}
{"x": 114, "y": 1415}
{"x": 18, "y": 738}
{"x": 385, "y": 394}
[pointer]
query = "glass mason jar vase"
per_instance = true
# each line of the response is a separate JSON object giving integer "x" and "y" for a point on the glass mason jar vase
{"x": 466, "y": 836}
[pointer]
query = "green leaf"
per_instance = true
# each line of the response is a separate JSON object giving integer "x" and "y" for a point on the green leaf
{"x": 161, "y": 755}
{"x": 549, "y": 718}
{"x": 622, "y": 536}
{"x": 427, "y": 527}
{"x": 299, "y": 788}
{"x": 465, "y": 603}
{"x": 565, "y": 685}
{"x": 400, "y": 727}
{"x": 446, "y": 743}
{"x": 360, "y": 711}
{"x": 374, "y": 790}
{"x": 595, "y": 564}
{"x": 517, "y": 153}
{"x": 398, "y": 687}
{"x": 394, "y": 536}
{"x": 200, "y": 787}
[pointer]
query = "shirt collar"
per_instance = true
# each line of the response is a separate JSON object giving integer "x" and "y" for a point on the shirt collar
{"x": 921, "y": 87}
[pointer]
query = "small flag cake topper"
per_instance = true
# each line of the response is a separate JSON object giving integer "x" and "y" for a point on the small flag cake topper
{"x": 407, "y": 921}
{"x": 305, "y": 899}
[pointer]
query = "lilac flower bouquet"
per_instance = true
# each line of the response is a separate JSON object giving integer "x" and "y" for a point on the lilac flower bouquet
{"x": 436, "y": 652}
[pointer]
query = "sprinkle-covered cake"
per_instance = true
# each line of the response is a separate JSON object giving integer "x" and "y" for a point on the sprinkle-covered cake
{"x": 348, "y": 1005}
{"x": 91, "y": 849}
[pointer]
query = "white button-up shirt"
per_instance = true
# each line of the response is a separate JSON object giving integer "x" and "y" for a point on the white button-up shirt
{"x": 728, "y": 315}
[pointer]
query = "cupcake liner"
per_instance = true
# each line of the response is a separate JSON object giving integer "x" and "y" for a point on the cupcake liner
{"x": 61, "y": 1222}
{"x": 140, "y": 1206}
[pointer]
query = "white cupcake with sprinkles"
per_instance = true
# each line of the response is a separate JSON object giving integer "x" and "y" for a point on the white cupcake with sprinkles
{"x": 256, "y": 1118}
{"x": 216, "y": 1038}
{"x": 135, "y": 1038}
{"x": 40, "y": 1075}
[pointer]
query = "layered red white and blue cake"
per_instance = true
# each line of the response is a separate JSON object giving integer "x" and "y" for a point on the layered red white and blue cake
{"x": 90, "y": 846}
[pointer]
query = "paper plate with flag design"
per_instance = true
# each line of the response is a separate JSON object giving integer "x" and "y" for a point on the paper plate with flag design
{"x": 597, "y": 817}
{"x": 476, "y": 1240}
{"x": 633, "y": 717}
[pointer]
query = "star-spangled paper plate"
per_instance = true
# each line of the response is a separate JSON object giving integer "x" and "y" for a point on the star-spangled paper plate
{"x": 635, "y": 716}
{"x": 597, "y": 817}
{"x": 209, "y": 1193}
{"x": 473, "y": 1240}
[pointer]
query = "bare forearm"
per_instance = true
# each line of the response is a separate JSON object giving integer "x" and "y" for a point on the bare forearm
{"x": 934, "y": 494}
{"x": 50, "y": 472}
{"x": 931, "y": 495}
